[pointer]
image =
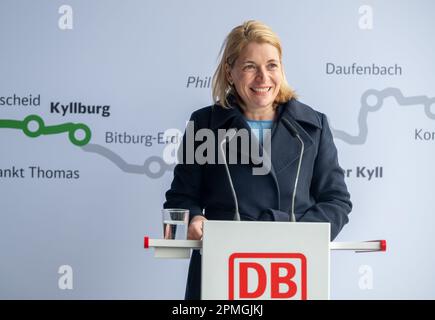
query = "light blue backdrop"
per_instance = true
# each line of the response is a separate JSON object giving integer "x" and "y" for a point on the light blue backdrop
{"x": 137, "y": 57}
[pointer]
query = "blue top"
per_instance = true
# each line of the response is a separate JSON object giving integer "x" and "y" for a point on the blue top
{"x": 258, "y": 126}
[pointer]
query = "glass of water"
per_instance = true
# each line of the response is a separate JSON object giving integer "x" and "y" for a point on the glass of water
{"x": 175, "y": 223}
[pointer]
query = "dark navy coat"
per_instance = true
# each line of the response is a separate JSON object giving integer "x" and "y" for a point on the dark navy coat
{"x": 321, "y": 196}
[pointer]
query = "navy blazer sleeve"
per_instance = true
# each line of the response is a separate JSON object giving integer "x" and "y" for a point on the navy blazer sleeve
{"x": 185, "y": 191}
{"x": 328, "y": 187}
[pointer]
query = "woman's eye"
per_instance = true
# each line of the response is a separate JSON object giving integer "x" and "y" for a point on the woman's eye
{"x": 249, "y": 67}
{"x": 273, "y": 66}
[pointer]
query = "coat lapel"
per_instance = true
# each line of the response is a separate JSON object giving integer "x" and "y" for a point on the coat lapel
{"x": 233, "y": 118}
{"x": 285, "y": 147}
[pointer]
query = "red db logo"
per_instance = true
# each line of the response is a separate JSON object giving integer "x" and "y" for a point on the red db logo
{"x": 267, "y": 276}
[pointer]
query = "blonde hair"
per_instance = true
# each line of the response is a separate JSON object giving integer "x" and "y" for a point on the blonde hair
{"x": 235, "y": 42}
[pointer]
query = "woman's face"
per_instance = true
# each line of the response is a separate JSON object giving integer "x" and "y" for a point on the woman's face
{"x": 257, "y": 75}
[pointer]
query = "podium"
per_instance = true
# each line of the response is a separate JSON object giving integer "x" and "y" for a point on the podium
{"x": 262, "y": 260}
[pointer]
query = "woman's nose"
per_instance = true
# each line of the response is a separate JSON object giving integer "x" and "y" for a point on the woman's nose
{"x": 261, "y": 73}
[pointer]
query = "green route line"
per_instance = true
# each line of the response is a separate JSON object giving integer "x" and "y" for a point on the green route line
{"x": 69, "y": 127}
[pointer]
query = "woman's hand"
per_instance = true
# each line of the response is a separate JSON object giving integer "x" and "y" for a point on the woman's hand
{"x": 195, "y": 228}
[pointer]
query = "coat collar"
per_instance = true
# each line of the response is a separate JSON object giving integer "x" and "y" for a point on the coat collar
{"x": 301, "y": 113}
{"x": 285, "y": 148}
{"x": 220, "y": 116}
{"x": 292, "y": 110}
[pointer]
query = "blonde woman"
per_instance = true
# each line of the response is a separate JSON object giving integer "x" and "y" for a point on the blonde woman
{"x": 251, "y": 93}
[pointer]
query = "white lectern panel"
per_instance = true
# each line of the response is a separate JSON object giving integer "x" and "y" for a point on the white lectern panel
{"x": 265, "y": 260}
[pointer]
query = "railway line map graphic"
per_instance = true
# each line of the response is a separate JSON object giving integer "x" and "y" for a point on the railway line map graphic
{"x": 80, "y": 134}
